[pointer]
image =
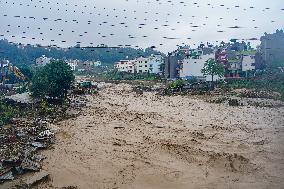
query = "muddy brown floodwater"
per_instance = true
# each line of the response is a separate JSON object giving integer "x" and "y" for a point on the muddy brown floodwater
{"x": 128, "y": 141}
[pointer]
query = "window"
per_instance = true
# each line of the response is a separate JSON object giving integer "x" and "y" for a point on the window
{"x": 146, "y": 66}
{"x": 140, "y": 71}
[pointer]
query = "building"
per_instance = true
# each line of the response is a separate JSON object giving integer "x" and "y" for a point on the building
{"x": 97, "y": 63}
{"x": 125, "y": 66}
{"x": 248, "y": 63}
{"x": 85, "y": 66}
{"x": 142, "y": 65}
{"x": 177, "y": 63}
{"x": 152, "y": 64}
{"x": 191, "y": 67}
{"x": 155, "y": 63}
{"x": 171, "y": 66}
{"x": 272, "y": 47}
{"x": 73, "y": 64}
{"x": 43, "y": 60}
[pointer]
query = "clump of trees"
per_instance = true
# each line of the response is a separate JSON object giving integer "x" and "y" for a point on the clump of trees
{"x": 52, "y": 81}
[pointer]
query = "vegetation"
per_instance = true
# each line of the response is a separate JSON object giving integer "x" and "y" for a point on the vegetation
{"x": 211, "y": 67}
{"x": 27, "y": 55}
{"x": 52, "y": 81}
{"x": 178, "y": 84}
{"x": 6, "y": 113}
{"x": 271, "y": 79}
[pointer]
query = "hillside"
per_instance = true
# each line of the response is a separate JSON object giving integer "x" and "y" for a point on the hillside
{"x": 26, "y": 54}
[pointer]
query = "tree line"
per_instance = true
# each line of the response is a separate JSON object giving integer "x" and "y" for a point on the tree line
{"x": 26, "y": 55}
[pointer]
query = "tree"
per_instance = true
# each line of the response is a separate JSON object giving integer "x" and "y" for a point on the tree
{"x": 53, "y": 80}
{"x": 211, "y": 67}
{"x": 26, "y": 71}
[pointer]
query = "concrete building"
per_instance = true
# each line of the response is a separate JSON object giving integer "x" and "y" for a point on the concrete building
{"x": 142, "y": 65}
{"x": 150, "y": 64}
{"x": 172, "y": 66}
{"x": 73, "y": 64}
{"x": 97, "y": 63}
{"x": 125, "y": 66}
{"x": 155, "y": 62}
{"x": 248, "y": 63}
{"x": 191, "y": 67}
{"x": 272, "y": 47}
{"x": 42, "y": 61}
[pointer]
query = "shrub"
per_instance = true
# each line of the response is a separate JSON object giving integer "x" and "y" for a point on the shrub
{"x": 178, "y": 84}
{"x": 6, "y": 113}
{"x": 52, "y": 81}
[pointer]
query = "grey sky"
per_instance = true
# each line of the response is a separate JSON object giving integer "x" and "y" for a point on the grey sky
{"x": 180, "y": 17}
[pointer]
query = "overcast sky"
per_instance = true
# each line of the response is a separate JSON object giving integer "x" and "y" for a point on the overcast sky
{"x": 162, "y": 23}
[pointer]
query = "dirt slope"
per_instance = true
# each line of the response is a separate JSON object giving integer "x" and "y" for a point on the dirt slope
{"x": 128, "y": 141}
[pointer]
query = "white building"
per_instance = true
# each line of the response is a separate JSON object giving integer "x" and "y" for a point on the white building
{"x": 42, "y": 61}
{"x": 97, "y": 63}
{"x": 125, "y": 66}
{"x": 248, "y": 63}
{"x": 142, "y": 65}
{"x": 155, "y": 62}
{"x": 151, "y": 64}
{"x": 191, "y": 67}
{"x": 73, "y": 64}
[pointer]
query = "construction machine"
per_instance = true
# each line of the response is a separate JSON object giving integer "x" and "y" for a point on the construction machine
{"x": 7, "y": 69}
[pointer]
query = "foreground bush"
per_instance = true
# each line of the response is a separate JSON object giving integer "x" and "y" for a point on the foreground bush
{"x": 52, "y": 81}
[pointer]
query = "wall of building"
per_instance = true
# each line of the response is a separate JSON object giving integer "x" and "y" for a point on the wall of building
{"x": 171, "y": 67}
{"x": 125, "y": 66}
{"x": 272, "y": 47}
{"x": 192, "y": 67}
{"x": 248, "y": 63}
{"x": 142, "y": 65}
{"x": 42, "y": 61}
{"x": 155, "y": 62}
{"x": 73, "y": 64}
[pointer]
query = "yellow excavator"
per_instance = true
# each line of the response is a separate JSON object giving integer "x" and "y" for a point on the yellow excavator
{"x": 7, "y": 69}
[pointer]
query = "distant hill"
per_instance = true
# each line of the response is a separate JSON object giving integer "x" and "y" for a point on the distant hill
{"x": 19, "y": 54}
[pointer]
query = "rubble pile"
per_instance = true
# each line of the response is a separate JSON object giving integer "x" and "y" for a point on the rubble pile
{"x": 19, "y": 143}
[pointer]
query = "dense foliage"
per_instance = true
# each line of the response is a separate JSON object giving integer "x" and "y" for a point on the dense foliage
{"x": 27, "y": 54}
{"x": 53, "y": 80}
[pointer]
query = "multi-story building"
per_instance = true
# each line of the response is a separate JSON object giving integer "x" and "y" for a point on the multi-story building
{"x": 125, "y": 66}
{"x": 151, "y": 64}
{"x": 142, "y": 65}
{"x": 272, "y": 47}
{"x": 155, "y": 63}
{"x": 43, "y": 60}
{"x": 73, "y": 64}
{"x": 192, "y": 67}
{"x": 171, "y": 66}
{"x": 248, "y": 63}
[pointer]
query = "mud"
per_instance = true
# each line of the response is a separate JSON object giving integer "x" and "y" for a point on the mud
{"x": 135, "y": 141}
